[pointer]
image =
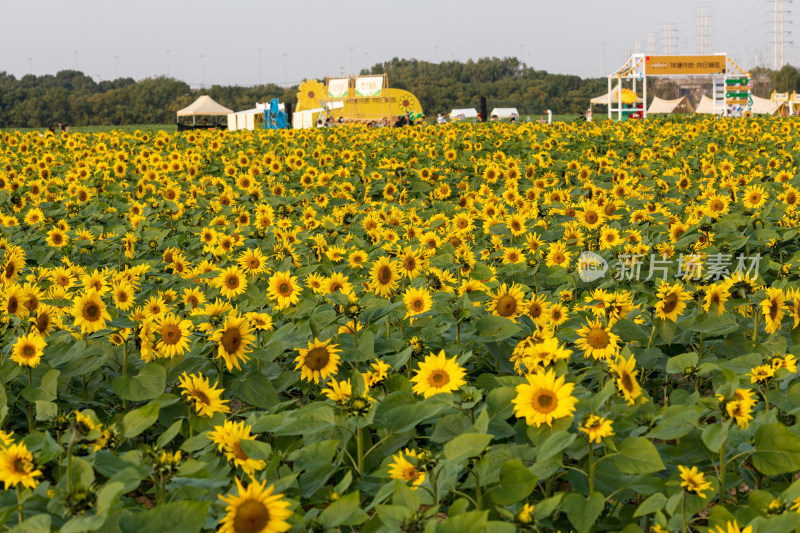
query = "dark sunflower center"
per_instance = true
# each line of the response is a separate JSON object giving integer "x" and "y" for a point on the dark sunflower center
{"x": 201, "y": 397}
{"x": 439, "y": 378}
{"x": 670, "y": 302}
{"x": 251, "y": 517}
{"x": 317, "y": 358}
{"x": 545, "y": 401}
{"x": 28, "y": 351}
{"x": 231, "y": 340}
{"x": 91, "y": 312}
{"x": 384, "y": 275}
{"x": 232, "y": 282}
{"x": 170, "y": 334}
{"x": 591, "y": 217}
{"x": 20, "y": 466}
{"x": 506, "y": 305}
{"x": 42, "y": 322}
{"x": 598, "y": 338}
{"x": 418, "y": 304}
{"x": 13, "y": 304}
{"x": 627, "y": 381}
{"x": 284, "y": 289}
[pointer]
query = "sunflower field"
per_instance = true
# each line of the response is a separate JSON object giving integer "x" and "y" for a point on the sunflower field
{"x": 463, "y": 328}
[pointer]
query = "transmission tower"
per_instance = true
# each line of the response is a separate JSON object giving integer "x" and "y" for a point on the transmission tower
{"x": 669, "y": 39}
{"x": 704, "y": 27}
{"x": 780, "y": 20}
{"x": 651, "y": 43}
{"x": 637, "y": 46}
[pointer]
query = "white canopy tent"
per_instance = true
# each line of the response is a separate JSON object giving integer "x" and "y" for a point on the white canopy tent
{"x": 504, "y": 112}
{"x": 706, "y": 106}
{"x": 763, "y": 106}
{"x": 669, "y": 107}
{"x": 204, "y": 106}
{"x": 461, "y": 114}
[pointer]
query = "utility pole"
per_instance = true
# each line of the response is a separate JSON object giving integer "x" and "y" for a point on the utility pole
{"x": 651, "y": 43}
{"x": 637, "y": 46}
{"x": 780, "y": 14}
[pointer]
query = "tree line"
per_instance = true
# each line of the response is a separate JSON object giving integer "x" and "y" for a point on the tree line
{"x": 74, "y": 98}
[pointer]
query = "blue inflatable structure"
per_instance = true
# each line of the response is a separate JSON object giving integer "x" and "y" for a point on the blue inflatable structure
{"x": 274, "y": 118}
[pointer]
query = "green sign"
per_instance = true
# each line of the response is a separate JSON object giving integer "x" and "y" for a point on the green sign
{"x": 737, "y": 81}
{"x": 738, "y": 95}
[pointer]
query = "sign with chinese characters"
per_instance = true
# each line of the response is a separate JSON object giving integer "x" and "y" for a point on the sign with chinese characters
{"x": 369, "y": 86}
{"x": 338, "y": 87}
{"x": 684, "y": 65}
{"x": 688, "y": 267}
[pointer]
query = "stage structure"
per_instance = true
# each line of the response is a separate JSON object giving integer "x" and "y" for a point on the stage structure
{"x": 732, "y": 86}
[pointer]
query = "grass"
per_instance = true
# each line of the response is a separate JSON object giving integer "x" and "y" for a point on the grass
{"x": 130, "y": 128}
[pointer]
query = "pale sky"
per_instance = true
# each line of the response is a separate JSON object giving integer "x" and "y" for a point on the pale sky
{"x": 111, "y": 38}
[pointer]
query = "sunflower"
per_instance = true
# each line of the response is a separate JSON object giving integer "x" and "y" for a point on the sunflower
{"x": 337, "y": 282}
{"x": 626, "y": 378}
{"x": 411, "y": 262}
{"x": 234, "y": 340}
{"x": 228, "y": 438}
{"x": 318, "y": 361}
{"x": 672, "y": 301}
{"x": 597, "y": 341}
{"x": 283, "y": 289}
{"x": 175, "y": 335}
{"x": 438, "y": 374}
{"x": 384, "y": 276}
{"x": 57, "y": 238}
{"x": 206, "y": 397}
{"x": 772, "y": 309}
{"x": 507, "y": 301}
{"x": 255, "y": 510}
{"x": 252, "y": 261}
{"x": 716, "y": 293}
{"x": 591, "y": 216}
{"x": 403, "y": 469}
{"x": 45, "y": 318}
{"x": 339, "y": 391}
{"x": 90, "y": 312}
{"x": 13, "y": 301}
{"x": 754, "y": 197}
{"x": 544, "y": 398}
{"x": 28, "y": 350}
{"x": 17, "y": 468}
{"x": 597, "y": 428}
{"x": 13, "y": 265}
{"x": 193, "y": 297}
{"x": 417, "y": 301}
{"x": 558, "y": 255}
{"x": 123, "y": 295}
{"x": 231, "y": 282}
{"x": 694, "y": 481}
{"x": 733, "y": 527}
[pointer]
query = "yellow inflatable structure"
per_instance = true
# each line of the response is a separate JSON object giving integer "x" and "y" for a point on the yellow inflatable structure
{"x": 361, "y": 99}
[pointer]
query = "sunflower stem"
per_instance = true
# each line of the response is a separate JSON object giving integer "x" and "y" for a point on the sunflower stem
{"x": 360, "y": 451}
{"x": 722, "y": 473}
{"x": 125, "y": 370}
{"x": 683, "y": 510}
{"x": 355, "y": 334}
{"x": 591, "y": 469}
{"x": 652, "y": 334}
{"x": 20, "y": 504}
{"x": 30, "y": 407}
{"x": 766, "y": 397}
{"x": 477, "y": 489}
{"x": 755, "y": 324}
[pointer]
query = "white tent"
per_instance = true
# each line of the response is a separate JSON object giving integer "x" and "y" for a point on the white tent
{"x": 668, "y": 107}
{"x": 249, "y": 119}
{"x": 603, "y": 98}
{"x": 504, "y": 112}
{"x": 306, "y": 118}
{"x": 204, "y": 106}
{"x": 461, "y": 114}
{"x": 706, "y": 106}
{"x": 763, "y": 106}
